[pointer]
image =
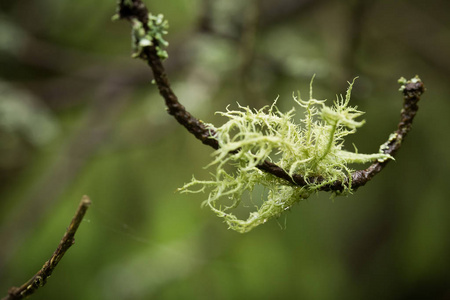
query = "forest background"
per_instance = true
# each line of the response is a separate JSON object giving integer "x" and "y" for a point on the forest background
{"x": 79, "y": 116}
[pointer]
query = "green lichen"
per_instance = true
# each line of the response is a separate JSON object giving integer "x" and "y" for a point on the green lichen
{"x": 314, "y": 147}
{"x": 403, "y": 82}
{"x": 157, "y": 28}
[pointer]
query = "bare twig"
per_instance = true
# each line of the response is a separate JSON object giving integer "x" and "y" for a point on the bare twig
{"x": 81, "y": 144}
{"x": 40, "y": 278}
{"x": 136, "y": 10}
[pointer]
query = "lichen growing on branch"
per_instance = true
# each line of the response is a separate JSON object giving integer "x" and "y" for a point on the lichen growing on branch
{"x": 267, "y": 148}
{"x": 142, "y": 38}
{"x": 146, "y": 33}
{"x": 313, "y": 148}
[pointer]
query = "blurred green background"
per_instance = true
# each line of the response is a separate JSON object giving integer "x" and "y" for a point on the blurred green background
{"x": 79, "y": 116}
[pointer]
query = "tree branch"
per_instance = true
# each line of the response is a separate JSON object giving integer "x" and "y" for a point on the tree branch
{"x": 40, "y": 278}
{"x": 412, "y": 91}
{"x": 136, "y": 10}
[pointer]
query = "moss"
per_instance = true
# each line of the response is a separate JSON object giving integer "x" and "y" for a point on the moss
{"x": 313, "y": 147}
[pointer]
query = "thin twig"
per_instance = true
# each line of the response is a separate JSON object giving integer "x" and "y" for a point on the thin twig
{"x": 136, "y": 10}
{"x": 40, "y": 278}
{"x": 411, "y": 96}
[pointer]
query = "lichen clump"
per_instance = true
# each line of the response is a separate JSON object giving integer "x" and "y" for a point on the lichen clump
{"x": 313, "y": 147}
{"x": 157, "y": 28}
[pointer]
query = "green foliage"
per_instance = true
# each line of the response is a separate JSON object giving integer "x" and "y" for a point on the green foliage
{"x": 313, "y": 148}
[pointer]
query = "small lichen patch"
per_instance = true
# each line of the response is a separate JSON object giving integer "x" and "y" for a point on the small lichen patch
{"x": 403, "y": 82}
{"x": 157, "y": 28}
{"x": 313, "y": 148}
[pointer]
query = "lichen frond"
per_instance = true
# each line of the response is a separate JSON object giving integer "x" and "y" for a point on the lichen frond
{"x": 313, "y": 147}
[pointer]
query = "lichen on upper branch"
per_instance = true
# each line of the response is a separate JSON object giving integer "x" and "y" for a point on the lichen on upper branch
{"x": 157, "y": 27}
{"x": 313, "y": 148}
{"x": 145, "y": 31}
{"x": 290, "y": 169}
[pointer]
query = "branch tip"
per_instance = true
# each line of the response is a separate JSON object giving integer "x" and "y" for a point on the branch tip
{"x": 412, "y": 90}
{"x": 40, "y": 278}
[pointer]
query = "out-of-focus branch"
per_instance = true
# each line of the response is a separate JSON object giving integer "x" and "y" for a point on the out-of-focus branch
{"x": 135, "y": 10}
{"x": 40, "y": 278}
{"x": 81, "y": 144}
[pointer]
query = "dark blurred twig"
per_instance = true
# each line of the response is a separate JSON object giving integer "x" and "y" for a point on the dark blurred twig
{"x": 247, "y": 48}
{"x": 40, "y": 278}
{"x": 357, "y": 17}
{"x": 81, "y": 144}
{"x": 135, "y": 10}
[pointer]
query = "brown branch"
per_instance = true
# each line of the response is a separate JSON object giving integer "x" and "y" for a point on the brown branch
{"x": 412, "y": 93}
{"x": 40, "y": 278}
{"x": 175, "y": 108}
{"x": 138, "y": 11}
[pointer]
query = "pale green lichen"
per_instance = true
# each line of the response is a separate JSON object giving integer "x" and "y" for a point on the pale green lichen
{"x": 312, "y": 148}
{"x": 392, "y": 137}
{"x": 142, "y": 38}
{"x": 403, "y": 82}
